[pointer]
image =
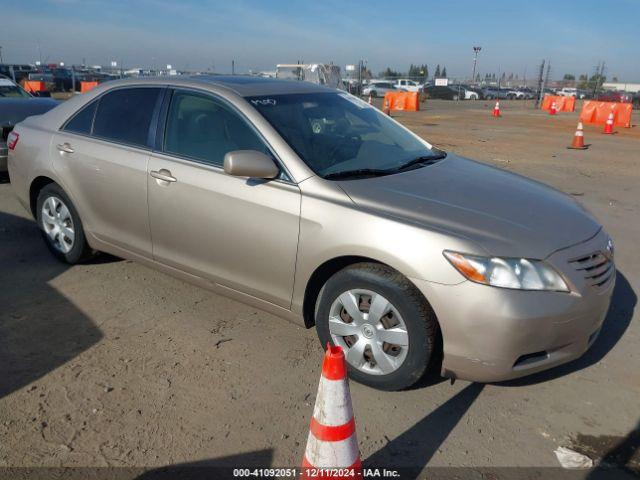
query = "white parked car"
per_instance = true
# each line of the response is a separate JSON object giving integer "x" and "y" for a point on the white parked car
{"x": 408, "y": 85}
{"x": 465, "y": 93}
{"x": 570, "y": 92}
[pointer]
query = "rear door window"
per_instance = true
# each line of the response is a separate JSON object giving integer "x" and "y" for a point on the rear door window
{"x": 125, "y": 115}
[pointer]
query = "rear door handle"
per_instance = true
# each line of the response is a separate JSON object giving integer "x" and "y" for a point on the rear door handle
{"x": 65, "y": 147}
{"x": 164, "y": 175}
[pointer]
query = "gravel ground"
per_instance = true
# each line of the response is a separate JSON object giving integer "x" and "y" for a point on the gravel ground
{"x": 113, "y": 364}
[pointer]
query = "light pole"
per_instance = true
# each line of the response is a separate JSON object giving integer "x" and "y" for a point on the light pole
{"x": 475, "y": 60}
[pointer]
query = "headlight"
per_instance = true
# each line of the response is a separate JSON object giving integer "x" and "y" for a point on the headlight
{"x": 518, "y": 273}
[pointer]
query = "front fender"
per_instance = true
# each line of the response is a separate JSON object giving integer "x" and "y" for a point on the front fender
{"x": 332, "y": 226}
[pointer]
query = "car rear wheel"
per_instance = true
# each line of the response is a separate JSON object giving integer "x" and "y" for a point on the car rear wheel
{"x": 374, "y": 94}
{"x": 383, "y": 323}
{"x": 61, "y": 226}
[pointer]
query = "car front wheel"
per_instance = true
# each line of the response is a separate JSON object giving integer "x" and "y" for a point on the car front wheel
{"x": 60, "y": 225}
{"x": 383, "y": 323}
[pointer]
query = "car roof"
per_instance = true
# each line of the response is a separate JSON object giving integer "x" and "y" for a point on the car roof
{"x": 243, "y": 85}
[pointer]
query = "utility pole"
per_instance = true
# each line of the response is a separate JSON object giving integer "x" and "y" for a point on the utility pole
{"x": 547, "y": 76}
{"x": 1, "y": 61}
{"x": 546, "y": 79}
{"x": 39, "y": 52}
{"x": 540, "y": 84}
{"x": 475, "y": 61}
{"x": 233, "y": 67}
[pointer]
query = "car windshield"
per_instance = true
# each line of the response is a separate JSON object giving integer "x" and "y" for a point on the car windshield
{"x": 8, "y": 89}
{"x": 338, "y": 135}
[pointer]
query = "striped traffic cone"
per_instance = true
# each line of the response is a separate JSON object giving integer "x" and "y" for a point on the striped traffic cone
{"x": 496, "y": 110}
{"x": 370, "y": 99}
{"x": 578, "y": 139}
{"x": 386, "y": 108}
{"x": 332, "y": 442}
{"x": 608, "y": 127}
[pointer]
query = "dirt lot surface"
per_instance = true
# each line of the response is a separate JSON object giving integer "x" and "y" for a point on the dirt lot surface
{"x": 114, "y": 364}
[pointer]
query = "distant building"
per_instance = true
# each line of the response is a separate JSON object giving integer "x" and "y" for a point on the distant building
{"x": 625, "y": 87}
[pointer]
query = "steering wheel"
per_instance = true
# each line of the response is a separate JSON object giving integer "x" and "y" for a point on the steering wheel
{"x": 343, "y": 141}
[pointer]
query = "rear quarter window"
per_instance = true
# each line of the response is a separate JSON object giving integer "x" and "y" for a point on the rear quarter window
{"x": 82, "y": 121}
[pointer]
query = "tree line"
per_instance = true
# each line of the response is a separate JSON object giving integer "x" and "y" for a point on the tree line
{"x": 586, "y": 82}
{"x": 419, "y": 72}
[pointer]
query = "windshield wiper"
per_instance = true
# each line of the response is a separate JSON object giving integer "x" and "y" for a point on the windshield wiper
{"x": 373, "y": 172}
{"x": 422, "y": 161}
{"x": 361, "y": 172}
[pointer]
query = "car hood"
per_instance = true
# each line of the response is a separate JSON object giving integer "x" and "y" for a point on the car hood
{"x": 14, "y": 110}
{"x": 506, "y": 214}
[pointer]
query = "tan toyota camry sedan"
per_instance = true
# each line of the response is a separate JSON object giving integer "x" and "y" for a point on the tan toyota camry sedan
{"x": 311, "y": 204}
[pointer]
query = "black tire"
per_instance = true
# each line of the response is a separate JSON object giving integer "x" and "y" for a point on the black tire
{"x": 80, "y": 250}
{"x": 416, "y": 312}
{"x": 374, "y": 94}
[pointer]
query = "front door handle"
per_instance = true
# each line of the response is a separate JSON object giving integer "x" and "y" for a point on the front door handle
{"x": 163, "y": 174}
{"x": 65, "y": 147}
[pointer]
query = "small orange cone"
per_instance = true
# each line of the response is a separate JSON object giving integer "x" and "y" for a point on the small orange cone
{"x": 496, "y": 110}
{"x": 386, "y": 109}
{"x": 370, "y": 100}
{"x": 332, "y": 442}
{"x": 554, "y": 109}
{"x": 608, "y": 127}
{"x": 578, "y": 139}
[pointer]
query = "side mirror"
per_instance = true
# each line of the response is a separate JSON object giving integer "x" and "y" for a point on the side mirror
{"x": 250, "y": 163}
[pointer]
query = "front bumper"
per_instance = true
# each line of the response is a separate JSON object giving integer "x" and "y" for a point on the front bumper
{"x": 494, "y": 334}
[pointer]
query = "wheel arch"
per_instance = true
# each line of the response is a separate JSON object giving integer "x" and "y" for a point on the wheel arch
{"x": 36, "y": 186}
{"x": 325, "y": 271}
{"x": 319, "y": 277}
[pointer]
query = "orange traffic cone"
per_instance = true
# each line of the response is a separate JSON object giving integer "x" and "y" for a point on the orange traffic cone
{"x": 332, "y": 442}
{"x": 608, "y": 127}
{"x": 386, "y": 108}
{"x": 554, "y": 109}
{"x": 370, "y": 100}
{"x": 578, "y": 139}
{"x": 496, "y": 110}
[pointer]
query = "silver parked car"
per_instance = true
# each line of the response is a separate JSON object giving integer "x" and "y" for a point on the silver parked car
{"x": 311, "y": 204}
{"x": 378, "y": 88}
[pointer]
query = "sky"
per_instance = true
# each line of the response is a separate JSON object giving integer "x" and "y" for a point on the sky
{"x": 208, "y": 34}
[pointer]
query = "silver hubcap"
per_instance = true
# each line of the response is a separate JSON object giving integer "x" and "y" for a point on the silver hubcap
{"x": 58, "y": 224}
{"x": 370, "y": 330}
